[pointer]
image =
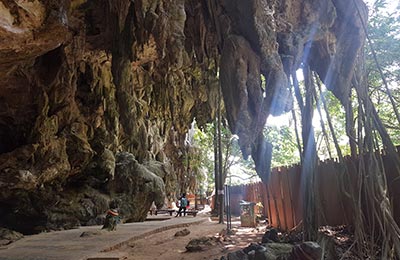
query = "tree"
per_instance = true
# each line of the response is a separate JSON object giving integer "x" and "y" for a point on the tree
{"x": 233, "y": 164}
{"x": 384, "y": 33}
{"x": 284, "y": 145}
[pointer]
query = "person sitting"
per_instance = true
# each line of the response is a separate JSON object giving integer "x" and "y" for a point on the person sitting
{"x": 153, "y": 208}
{"x": 112, "y": 219}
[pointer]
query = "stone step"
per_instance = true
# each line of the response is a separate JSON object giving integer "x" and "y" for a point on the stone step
{"x": 109, "y": 256}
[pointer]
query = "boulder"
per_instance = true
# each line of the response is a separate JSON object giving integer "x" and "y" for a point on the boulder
{"x": 237, "y": 255}
{"x": 182, "y": 233}
{"x": 306, "y": 251}
{"x": 269, "y": 251}
{"x": 201, "y": 244}
{"x": 270, "y": 236}
{"x": 134, "y": 188}
{"x": 8, "y": 236}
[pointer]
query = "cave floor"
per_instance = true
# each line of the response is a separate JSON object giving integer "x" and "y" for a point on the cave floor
{"x": 95, "y": 244}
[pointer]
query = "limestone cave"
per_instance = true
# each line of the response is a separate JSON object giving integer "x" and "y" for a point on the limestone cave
{"x": 96, "y": 97}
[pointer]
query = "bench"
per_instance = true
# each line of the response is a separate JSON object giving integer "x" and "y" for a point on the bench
{"x": 170, "y": 211}
{"x": 191, "y": 212}
{"x": 200, "y": 206}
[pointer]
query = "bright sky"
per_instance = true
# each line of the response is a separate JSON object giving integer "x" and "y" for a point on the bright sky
{"x": 284, "y": 119}
{"x": 391, "y": 4}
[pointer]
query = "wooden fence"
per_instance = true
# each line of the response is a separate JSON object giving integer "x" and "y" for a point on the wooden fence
{"x": 282, "y": 197}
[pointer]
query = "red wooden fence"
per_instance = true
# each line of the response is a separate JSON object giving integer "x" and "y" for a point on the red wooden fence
{"x": 282, "y": 196}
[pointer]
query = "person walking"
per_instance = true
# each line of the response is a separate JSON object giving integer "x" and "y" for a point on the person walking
{"x": 182, "y": 205}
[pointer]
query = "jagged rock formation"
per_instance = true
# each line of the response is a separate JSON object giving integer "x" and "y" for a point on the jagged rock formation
{"x": 8, "y": 236}
{"x": 272, "y": 251}
{"x": 83, "y": 80}
{"x": 273, "y": 41}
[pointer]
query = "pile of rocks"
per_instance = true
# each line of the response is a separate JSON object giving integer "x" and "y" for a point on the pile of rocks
{"x": 271, "y": 248}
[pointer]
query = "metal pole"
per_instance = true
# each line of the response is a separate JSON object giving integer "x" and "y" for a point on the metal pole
{"x": 229, "y": 201}
{"x": 228, "y": 208}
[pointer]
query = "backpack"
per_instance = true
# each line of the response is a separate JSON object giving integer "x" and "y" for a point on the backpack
{"x": 184, "y": 202}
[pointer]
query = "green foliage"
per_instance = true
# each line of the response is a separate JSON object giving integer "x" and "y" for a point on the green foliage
{"x": 233, "y": 162}
{"x": 384, "y": 32}
{"x": 203, "y": 139}
{"x": 283, "y": 139}
{"x": 338, "y": 119}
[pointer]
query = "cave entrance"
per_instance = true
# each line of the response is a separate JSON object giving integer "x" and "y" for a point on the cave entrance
{"x": 10, "y": 138}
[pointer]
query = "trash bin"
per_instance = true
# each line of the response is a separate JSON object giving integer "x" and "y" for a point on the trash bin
{"x": 247, "y": 215}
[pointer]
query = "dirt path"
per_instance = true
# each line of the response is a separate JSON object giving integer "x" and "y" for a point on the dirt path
{"x": 70, "y": 245}
{"x": 166, "y": 246}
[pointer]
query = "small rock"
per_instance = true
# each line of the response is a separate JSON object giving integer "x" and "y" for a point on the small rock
{"x": 270, "y": 236}
{"x": 90, "y": 233}
{"x": 251, "y": 254}
{"x": 307, "y": 251}
{"x": 260, "y": 253}
{"x": 278, "y": 251}
{"x": 201, "y": 244}
{"x": 182, "y": 233}
{"x": 237, "y": 255}
{"x": 251, "y": 247}
{"x": 269, "y": 251}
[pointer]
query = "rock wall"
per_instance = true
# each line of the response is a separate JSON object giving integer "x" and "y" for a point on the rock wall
{"x": 90, "y": 86}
